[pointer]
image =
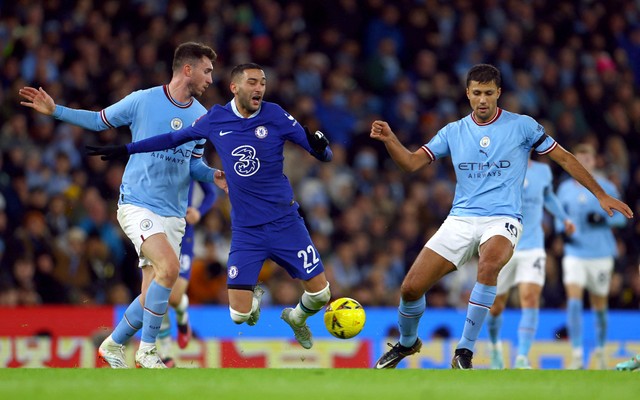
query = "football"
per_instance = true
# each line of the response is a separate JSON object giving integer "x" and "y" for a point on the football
{"x": 344, "y": 318}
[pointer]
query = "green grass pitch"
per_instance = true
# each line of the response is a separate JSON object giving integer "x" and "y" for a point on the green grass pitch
{"x": 308, "y": 384}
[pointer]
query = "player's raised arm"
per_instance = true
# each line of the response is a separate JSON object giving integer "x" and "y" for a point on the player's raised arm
{"x": 407, "y": 160}
{"x": 154, "y": 143}
{"x": 570, "y": 164}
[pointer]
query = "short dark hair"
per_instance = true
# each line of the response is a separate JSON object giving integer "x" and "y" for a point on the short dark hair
{"x": 191, "y": 52}
{"x": 239, "y": 69}
{"x": 484, "y": 73}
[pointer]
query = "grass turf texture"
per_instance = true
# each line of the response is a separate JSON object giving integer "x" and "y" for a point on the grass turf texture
{"x": 308, "y": 384}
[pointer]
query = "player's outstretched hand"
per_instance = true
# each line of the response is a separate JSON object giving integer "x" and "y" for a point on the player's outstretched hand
{"x": 609, "y": 203}
{"x": 380, "y": 130}
{"x": 37, "y": 99}
{"x": 318, "y": 141}
{"x": 220, "y": 179}
{"x": 110, "y": 152}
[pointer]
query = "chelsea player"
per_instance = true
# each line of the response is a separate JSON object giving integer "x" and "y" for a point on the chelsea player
{"x": 249, "y": 136}
{"x": 588, "y": 257}
{"x": 490, "y": 149}
{"x": 527, "y": 266}
{"x": 153, "y": 195}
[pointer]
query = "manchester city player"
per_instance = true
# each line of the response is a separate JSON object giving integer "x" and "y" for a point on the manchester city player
{"x": 179, "y": 300}
{"x": 249, "y": 136}
{"x": 588, "y": 257}
{"x": 526, "y": 269}
{"x": 490, "y": 150}
{"x": 153, "y": 195}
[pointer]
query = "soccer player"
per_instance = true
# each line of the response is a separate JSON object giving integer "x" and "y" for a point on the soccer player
{"x": 153, "y": 195}
{"x": 527, "y": 266}
{"x": 588, "y": 257}
{"x": 178, "y": 299}
{"x": 490, "y": 150}
{"x": 249, "y": 136}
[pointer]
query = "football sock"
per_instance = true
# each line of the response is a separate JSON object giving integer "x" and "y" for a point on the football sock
{"x": 409, "y": 313}
{"x": 165, "y": 327}
{"x": 574, "y": 322}
{"x": 155, "y": 305}
{"x": 182, "y": 315}
{"x": 309, "y": 304}
{"x": 527, "y": 330}
{"x": 494, "y": 324}
{"x": 130, "y": 323}
{"x": 601, "y": 327}
{"x": 480, "y": 301}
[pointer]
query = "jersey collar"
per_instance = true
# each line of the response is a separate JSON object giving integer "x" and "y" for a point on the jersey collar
{"x": 492, "y": 120}
{"x": 171, "y": 99}
{"x": 236, "y": 112}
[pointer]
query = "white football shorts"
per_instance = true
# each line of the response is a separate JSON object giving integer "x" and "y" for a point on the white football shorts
{"x": 459, "y": 238}
{"x": 525, "y": 266}
{"x": 140, "y": 223}
{"x": 594, "y": 274}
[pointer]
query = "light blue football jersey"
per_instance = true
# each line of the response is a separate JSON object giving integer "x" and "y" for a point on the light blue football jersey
{"x": 537, "y": 193}
{"x": 157, "y": 181}
{"x": 251, "y": 152}
{"x": 490, "y": 161}
{"x": 589, "y": 240}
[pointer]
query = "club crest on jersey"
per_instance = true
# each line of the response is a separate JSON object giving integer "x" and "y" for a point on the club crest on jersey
{"x": 485, "y": 142}
{"x": 146, "y": 224}
{"x": 233, "y": 271}
{"x": 261, "y": 132}
{"x": 176, "y": 124}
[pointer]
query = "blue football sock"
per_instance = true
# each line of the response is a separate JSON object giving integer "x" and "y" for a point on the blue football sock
{"x": 480, "y": 301}
{"x": 130, "y": 323}
{"x": 527, "y": 330}
{"x": 155, "y": 305}
{"x": 494, "y": 324}
{"x": 409, "y": 314}
{"x": 165, "y": 327}
{"x": 601, "y": 327}
{"x": 574, "y": 322}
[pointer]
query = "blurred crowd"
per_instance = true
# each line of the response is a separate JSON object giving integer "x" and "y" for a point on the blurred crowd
{"x": 336, "y": 65}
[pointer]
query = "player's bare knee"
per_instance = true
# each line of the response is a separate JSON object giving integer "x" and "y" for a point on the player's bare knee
{"x": 488, "y": 275}
{"x": 239, "y": 317}
{"x": 410, "y": 292}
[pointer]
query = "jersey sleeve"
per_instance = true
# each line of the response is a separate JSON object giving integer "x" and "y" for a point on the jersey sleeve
{"x": 209, "y": 198}
{"x": 295, "y": 133}
{"x": 438, "y": 146}
{"x": 536, "y": 137}
{"x": 197, "y": 131}
{"x": 200, "y": 171}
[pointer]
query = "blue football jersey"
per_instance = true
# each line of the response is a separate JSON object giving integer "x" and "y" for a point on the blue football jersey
{"x": 490, "y": 161}
{"x": 537, "y": 195}
{"x": 589, "y": 240}
{"x": 157, "y": 181}
{"x": 251, "y": 152}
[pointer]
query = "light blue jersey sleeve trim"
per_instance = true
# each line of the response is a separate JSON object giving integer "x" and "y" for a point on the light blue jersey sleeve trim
{"x": 91, "y": 120}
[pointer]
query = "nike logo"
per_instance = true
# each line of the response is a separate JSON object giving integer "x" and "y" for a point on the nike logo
{"x": 225, "y": 133}
{"x": 310, "y": 270}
